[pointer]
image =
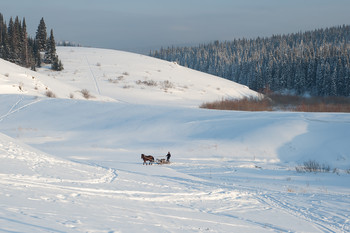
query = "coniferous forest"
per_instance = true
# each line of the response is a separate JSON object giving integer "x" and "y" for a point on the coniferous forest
{"x": 17, "y": 47}
{"x": 313, "y": 62}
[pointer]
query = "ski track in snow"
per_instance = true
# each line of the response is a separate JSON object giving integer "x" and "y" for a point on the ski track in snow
{"x": 93, "y": 77}
{"x": 16, "y": 108}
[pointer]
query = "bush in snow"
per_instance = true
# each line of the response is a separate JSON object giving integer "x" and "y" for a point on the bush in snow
{"x": 150, "y": 83}
{"x": 86, "y": 93}
{"x": 50, "y": 94}
{"x": 312, "y": 166}
{"x": 166, "y": 84}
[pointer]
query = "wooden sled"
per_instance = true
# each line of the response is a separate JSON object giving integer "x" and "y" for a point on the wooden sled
{"x": 162, "y": 161}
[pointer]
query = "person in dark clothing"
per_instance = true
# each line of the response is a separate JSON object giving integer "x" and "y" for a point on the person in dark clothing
{"x": 168, "y": 157}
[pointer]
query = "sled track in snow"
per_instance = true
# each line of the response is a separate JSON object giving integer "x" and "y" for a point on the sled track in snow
{"x": 321, "y": 216}
{"x": 321, "y": 222}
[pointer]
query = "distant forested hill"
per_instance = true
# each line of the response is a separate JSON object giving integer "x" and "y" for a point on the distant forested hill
{"x": 314, "y": 62}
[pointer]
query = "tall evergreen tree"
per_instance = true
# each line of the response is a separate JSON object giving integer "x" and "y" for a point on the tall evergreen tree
{"x": 56, "y": 64}
{"x": 24, "y": 45}
{"x": 41, "y": 35}
{"x": 50, "y": 49}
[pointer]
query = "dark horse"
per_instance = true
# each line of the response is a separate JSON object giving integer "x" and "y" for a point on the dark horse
{"x": 148, "y": 158}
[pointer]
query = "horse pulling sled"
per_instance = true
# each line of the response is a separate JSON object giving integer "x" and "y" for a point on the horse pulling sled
{"x": 150, "y": 159}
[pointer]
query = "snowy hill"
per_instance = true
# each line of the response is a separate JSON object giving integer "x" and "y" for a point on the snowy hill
{"x": 135, "y": 78}
{"x": 116, "y": 75}
{"x": 18, "y": 80}
{"x": 71, "y": 165}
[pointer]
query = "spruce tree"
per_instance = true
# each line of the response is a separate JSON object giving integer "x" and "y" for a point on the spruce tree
{"x": 36, "y": 53}
{"x": 41, "y": 36}
{"x": 24, "y": 45}
{"x": 50, "y": 49}
{"x": 56, "y": 64}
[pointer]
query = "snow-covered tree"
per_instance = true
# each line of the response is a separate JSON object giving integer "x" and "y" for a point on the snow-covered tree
{"x": 41, "y": 36}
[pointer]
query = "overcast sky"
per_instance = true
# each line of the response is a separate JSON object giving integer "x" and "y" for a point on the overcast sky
{"x": 141, "y": 25}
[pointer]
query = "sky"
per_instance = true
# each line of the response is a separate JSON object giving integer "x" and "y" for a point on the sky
{"x": 144, "y": 25}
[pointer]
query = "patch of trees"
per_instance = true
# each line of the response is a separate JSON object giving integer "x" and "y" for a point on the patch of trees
{"x": 17, "y": 47}
{"x": 314, "y": 62}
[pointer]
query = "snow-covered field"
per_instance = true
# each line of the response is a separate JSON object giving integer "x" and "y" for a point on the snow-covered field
{"x": 68, "y": 164}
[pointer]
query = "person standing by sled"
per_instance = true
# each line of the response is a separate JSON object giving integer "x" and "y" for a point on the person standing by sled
{"x": 168, "y": 157}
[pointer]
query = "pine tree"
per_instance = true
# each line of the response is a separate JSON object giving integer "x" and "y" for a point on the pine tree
{"x": 56, "y": 64}
{"x": 41, "y": 36}
{"x": 36, "y": 53}
{"x": 2, "y": 28}
{"x": 24, "y": 45}
{"x": 50, "y": 49}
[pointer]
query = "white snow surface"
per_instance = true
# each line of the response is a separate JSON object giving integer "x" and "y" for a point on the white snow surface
{"x": 68, "y": 164}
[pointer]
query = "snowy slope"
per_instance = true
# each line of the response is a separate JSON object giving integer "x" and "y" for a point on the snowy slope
{"x": 110, "y": 75}
{"x": 17, "y": 80}
{"x": 71, "y": 165}
{"x": 135, "y": 78}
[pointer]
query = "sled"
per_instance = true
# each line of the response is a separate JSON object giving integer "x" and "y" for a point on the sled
{"x": 162, "y": 161}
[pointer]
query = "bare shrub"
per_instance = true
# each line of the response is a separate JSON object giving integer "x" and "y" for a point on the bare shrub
{"x": 50, "y": 94}
{"x": 274, "y": 101}
{"x": 290, "y": 190}
{"x": 116, "y": 80}
{"x": 150, "y": 83}
{"x": 7, "y": 75}
{"x": 312, "y": 166}
{"x": 113, "y": 80}
{"x": 86, "y": 93}
{"x": 20, "y": 86}
{"x": 336, "y": 171}
{"x": 245, "y": 104}
{"x": 310, "y": 104}
{"x": 166, "y": 84}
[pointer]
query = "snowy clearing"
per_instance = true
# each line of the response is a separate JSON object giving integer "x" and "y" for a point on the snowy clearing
{"x": 73, "y": 165}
